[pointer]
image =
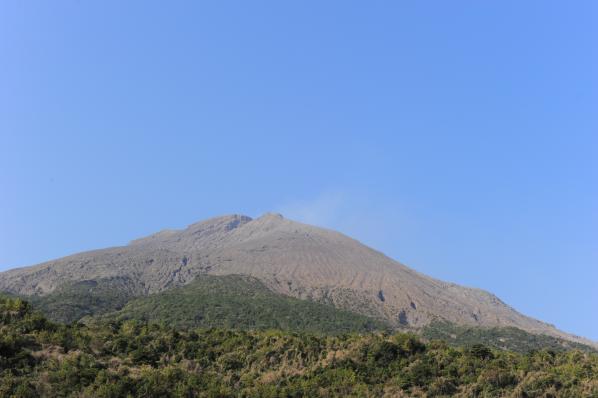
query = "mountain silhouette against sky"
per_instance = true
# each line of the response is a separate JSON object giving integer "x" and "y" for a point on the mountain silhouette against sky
{"x": 288, "y": 257}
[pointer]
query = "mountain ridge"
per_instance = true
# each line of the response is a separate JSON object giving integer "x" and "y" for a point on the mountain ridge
{"x": 290, "y": 258}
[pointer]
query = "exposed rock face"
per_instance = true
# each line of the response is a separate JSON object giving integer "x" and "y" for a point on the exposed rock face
{"x": 289, "y": 257}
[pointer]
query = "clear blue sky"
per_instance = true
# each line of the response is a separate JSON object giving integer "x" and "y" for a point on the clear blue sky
{"x": 459, "y": 137}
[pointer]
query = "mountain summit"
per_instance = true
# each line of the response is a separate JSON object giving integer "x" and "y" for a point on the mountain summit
{"x": 289, "y": 258}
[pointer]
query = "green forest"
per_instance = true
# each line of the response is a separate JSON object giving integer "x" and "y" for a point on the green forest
{"x": 121, "y": 358}
{"x": 242, "y": 302}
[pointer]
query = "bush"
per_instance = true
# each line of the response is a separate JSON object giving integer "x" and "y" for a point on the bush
{"x": 140, "y": 359}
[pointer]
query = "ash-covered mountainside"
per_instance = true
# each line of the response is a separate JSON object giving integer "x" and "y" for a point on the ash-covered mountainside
{"x": 288, "y": 257}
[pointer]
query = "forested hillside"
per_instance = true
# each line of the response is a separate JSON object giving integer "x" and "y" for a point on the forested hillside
{"x": 507, "y": 338}
{"x": 133, "y": 358}
{"x": 287, "y": 258}
{"x": 243, "y": 302}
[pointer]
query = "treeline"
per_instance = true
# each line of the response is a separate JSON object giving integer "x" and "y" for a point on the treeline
{"x": 39, "y": 358}
{"x": 504, "y": 338}
{"x": 208, "y": 301}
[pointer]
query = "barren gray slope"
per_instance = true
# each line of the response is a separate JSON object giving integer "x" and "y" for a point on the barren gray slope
{"x": 289, "y": 257}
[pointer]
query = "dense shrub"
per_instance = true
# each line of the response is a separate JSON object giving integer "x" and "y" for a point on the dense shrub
{"x": 140, "y": 359}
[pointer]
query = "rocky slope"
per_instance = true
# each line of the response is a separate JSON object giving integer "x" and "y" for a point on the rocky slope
{"x": 288, "y": 257}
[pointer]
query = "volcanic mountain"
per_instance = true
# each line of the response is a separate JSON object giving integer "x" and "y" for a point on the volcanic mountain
{"x": 289, "y": 258}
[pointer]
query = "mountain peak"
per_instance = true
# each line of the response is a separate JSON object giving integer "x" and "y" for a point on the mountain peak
{"x": 212, "y": 226}
{"x": 272, "y": 216}
{"x": 288, "y": 257}
{"x": 229, "y": 222}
